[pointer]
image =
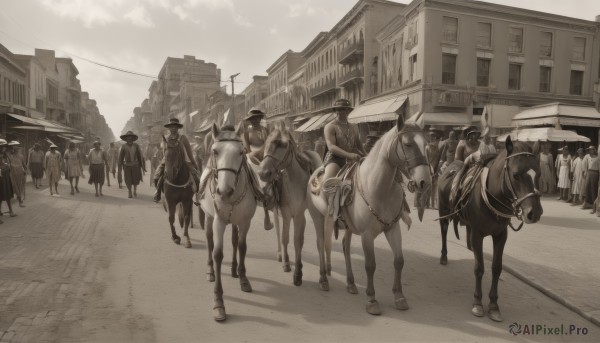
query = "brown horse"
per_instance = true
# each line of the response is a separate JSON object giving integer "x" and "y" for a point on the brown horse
{"x": 507, "y": 187}
{"x": 178, "y": 189}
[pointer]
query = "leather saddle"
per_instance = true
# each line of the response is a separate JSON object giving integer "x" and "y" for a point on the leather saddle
{"x": 466, "y": 178}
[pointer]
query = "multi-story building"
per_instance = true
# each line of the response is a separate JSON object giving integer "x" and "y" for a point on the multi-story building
{"x": 54, "y": 108}
{"x": 299, "y": 95}
{"x": 321, "y": 71}
{"x": 277, "y": 103}
{"x": 36, "y": 85}
{"x": 13, "y": 84}
{"x": 69, "y": 92}
{"x": 256, "y": 92}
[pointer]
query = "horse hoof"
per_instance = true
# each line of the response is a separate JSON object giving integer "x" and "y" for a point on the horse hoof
{"x": 324, "y": 286}
{"x": 279, "y": 259}
{"x": 328, "y": 269}
{"x": 297, "y": 280}
{"x": 373, "y": 307}
{"x": 219, "y": 314}
{"x": 401, "y": 304}
{"x": 177, "y": 240}
{"x": 246, "y": 287}
{"x": 477, "y": 310}
{"x": 210, "y": 277}
{"x": 286, "y": 268}
{"x": 188, "y": 244}
{"x": 234, "y": 273}
{"x": 444, "y": 260}
{"x": 351, "y": 288}
{"x": 494, "y": 314}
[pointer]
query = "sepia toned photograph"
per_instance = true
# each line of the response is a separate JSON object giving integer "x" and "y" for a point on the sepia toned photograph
{"x": 299, "y": 171}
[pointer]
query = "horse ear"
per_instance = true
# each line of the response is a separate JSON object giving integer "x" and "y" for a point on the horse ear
{"x": 239, "y": 129}
{"x": 420, "y": 120}
{"x": 215, "y": 130}
{"x": 536, "y": 147}
{"x": 509, "y": 146}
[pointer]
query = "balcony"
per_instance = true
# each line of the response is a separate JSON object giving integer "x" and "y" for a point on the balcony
{"x": 327, "y": 88}
{"x": 352, "y": 53}
{"x": 352, "y": 77}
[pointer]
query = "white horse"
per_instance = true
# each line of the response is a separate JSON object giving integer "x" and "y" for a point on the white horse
{"x": 377, "y": 205}
{"x": 228, "y": 198}
{"x": 285, "y": 165}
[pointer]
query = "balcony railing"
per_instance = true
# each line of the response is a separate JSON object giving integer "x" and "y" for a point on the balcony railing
{"x": 352, "y": 77}
{"x": 352, "y": 52}
{"x": 326, "y": 88}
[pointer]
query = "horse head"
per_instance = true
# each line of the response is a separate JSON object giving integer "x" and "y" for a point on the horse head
{"x": 228, "y": 156}
{"x": 279, "y": 148}
{"x": 521, "y": 179}
{"x": 410, "y": 151}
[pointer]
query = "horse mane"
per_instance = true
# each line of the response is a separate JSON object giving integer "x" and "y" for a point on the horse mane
{"x": 377, "y": 148}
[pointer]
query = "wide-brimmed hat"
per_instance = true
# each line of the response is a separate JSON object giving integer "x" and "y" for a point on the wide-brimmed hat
{"x": 2, "y": 142}
{"x": 342, "y": 104}
{"x": 254, "y": 112}
{"x": 96, "y": 142}
{"x": 13, "y": 143}
{"x": 53, "y": 146}
{"x": 591, "y": 147}
{"x": 174, "y": 122}
{"x": 129, "y": 134}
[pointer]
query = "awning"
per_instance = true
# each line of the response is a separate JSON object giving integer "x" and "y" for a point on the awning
{"x": 447, "y": 118}
{"x": 377, "y": 110}
{"x": 558, "y": 114}
{"x": 41, "y": 125}
{"x": 71, "y": 139}
{"x": 544, "y": 134}
{"x": 316, "y": 122}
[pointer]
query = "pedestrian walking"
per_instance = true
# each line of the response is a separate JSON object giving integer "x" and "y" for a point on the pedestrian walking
{"x": 433, "y": 153}
{"x": 98, "y": 163}
{"x": 73, "y": 166}
{"x": 53, "y": 166}
{"x": 131, "y": 163}
{"x": 6, "y": 189}
{"x": 591, "y": 166}
{"x": 35, "y": 165}
{"x": 18, "y": 170}
{"x": 547, "y": 178}
{"x": 563, "y": 166}
{"x": 577, "y": 178}
{"x": 113, "y": 156}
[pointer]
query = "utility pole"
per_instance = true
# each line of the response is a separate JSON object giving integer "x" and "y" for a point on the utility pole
{"x": 232, "y": 110}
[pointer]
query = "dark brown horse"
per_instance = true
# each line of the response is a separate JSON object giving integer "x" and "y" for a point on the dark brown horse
{"x": 507, "y": 187}
{"x": 178, "y": 189}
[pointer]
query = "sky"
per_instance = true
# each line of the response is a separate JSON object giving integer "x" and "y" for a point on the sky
{"x": 240, "y": 36}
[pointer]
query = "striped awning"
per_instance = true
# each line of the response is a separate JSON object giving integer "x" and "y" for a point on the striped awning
{"x": 316, "y": 122}
{"x": 377, "y": 110}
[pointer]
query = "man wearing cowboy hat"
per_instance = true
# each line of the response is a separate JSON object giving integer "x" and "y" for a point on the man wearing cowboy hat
{"x": 591, "y": 167}
{"x": 131, "y": 162}
{"x": 433, "y": 153}
{"x": 469, "y": 145}
{"x": 175, "y": 138}
{"x": 255, "y": 135}
{"x": 53, "y": 166}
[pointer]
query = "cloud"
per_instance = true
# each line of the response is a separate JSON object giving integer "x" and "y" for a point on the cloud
{"x": 90, "y": 12}
{"x": 211, "y": 4}
{"x": 241, "y": 20}
{"x": 299, "y": 9}
{"x": 139, "y": 16}
{"x": 180, "y": 12}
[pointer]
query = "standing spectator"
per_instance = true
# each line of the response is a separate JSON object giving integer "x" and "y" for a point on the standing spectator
{"x": 73, "y": 166}
{"x": 433, "y": 153}
{"x": 563, "y": 166}
{"x": 18, "y": 171}
{"x": 590, "y": 188}
{"x": 448, "y": 148}
{"x": 53, "y": 166}
{"x": 547, "y": 178}
{"x": 131, "y": 163}
{"x": 98, "y": 161}
{"x": 6, "y": 190}
{"x": 486, "y": 146}
{"x": 578, "y": 180}
{"x": 35, "y": 164}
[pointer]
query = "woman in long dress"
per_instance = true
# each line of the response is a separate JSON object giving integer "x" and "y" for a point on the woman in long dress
{"x": 6, "y": 191}
{"x": 578, "y": 178}
{"x": 547, "y": 178}
{"x": 18, "y": 171}
{"x": 98, "y": 161}
{"x": 563, "y": 166}
{"x": 53, "y": 165}
{"x": 36, "y": 164}
{"x": 73, "y": 166}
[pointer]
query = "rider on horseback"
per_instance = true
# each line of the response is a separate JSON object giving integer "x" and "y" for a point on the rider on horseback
{"x": 255, "y": 135}
{"x": 173, "y": 125}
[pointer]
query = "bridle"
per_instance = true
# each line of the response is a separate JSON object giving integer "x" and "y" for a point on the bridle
{"x": 285, "y": 161}
{"x": 410, "y": 163}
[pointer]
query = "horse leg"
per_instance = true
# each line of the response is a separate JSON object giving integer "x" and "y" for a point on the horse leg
{"x": 493, "y": 308}
{"x": 243, "y": 233}
{"x": 188, "y": 210}
{"x": 202, "y": 216}
{"x": 278, "y": 232}
{"x": 174, "y": 236}
{"x": 299, "y": 225}
{"x": 210, "y": 271}
{"x": 319, "y": 222}
{"x": 285, "y": 240}
{"x": 394, "y": 238}
{"x": 350, "y": 286}
{"x": 477, "y": 245}
{"x": 328, "y": 242}
{"x": 369, "y": 251}
{"x": 235, "y": 230}
{"x": 219, "y": 305}
{"x": 469, "y": 242}
{"x": 444, "y": 229}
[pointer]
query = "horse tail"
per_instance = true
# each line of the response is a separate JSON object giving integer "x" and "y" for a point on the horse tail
{"x": 180, "y": 213}
{"x": 455, "y": 224}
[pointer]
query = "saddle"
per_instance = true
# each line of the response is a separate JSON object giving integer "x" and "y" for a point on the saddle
{"x": 466, "y": 178}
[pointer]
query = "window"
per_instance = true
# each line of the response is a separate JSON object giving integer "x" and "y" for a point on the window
{"x": 546, "y": 44}
{"x": 545, "y": 78}
{"x": 578, "y": 52}
{"x": 448, "y": 69}
{"x": 483, "y": 72}
{"x": 450, "y": 30}
{"x": 413, "y": 67}
{"x": 515, "y": 37}
{"x": 514, "y": 76}
{"x": 484, "y": 35}
{"x": 576, "y": 82}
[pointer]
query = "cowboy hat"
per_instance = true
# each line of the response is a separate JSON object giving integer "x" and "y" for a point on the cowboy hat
{"x": 129, "y": 134}
{"x": 254, "y": 112}
{"x": 97, "y": 142}
{"x": 342, "y": 104}
{"x": 591, "y": 147}
{"x": 53, "y": 146}
{"x": 174, "y": 122}
{"x": 13, "y": 143}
